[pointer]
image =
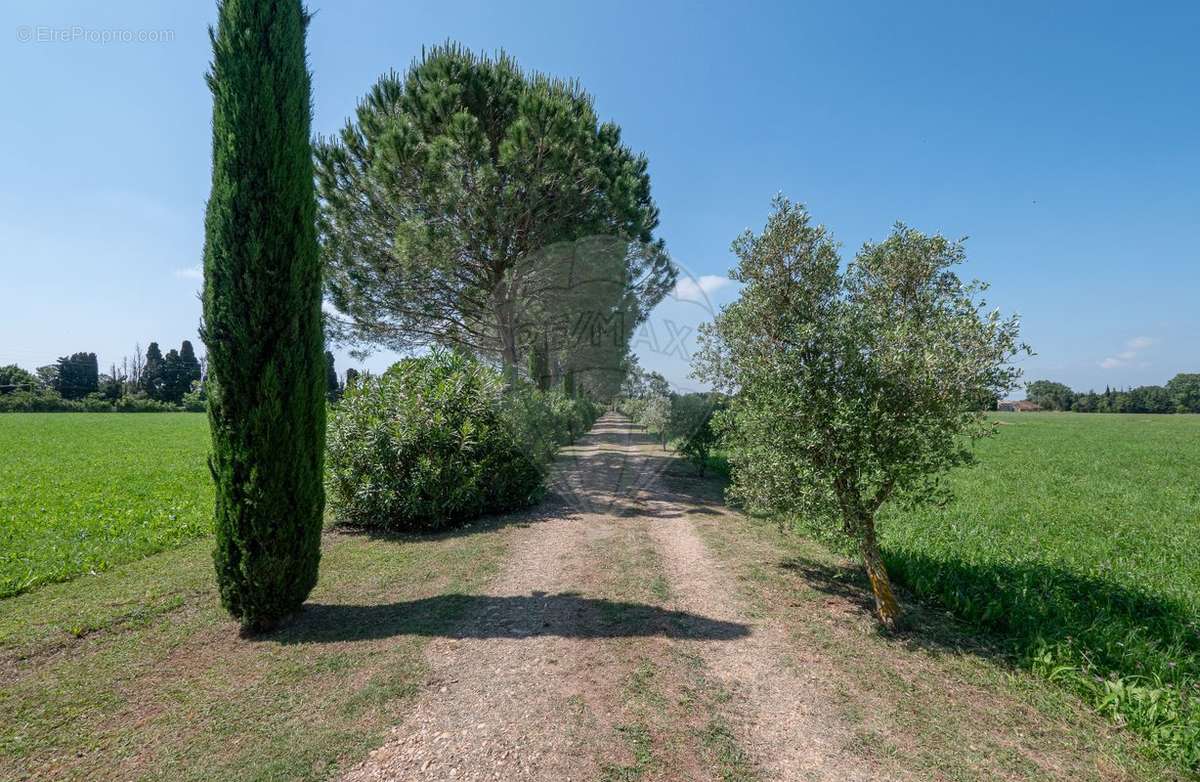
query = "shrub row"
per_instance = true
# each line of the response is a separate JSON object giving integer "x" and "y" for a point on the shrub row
{"x": 34, "y": 402}
{"x": 439, "y": 440}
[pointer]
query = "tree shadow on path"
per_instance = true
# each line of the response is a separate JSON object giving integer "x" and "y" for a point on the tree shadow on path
{"x": 567, "y": 614}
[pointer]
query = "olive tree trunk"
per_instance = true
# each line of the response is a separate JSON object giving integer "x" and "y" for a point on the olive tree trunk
{"x": 887, "y": 609}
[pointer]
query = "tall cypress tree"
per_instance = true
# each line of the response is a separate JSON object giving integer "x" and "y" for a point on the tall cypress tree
{"x": 172, "y": 378}
{"x": 262, "y": 314}
{"x": 333, "y": 389}
{"x": 190, "y": 364}
{"x": 152, "y": 372}
{"x": 180, "y": 368}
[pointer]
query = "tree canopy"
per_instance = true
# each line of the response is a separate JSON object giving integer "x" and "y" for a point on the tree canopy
{"x": 151, "y": 379}
{"x": 14, "y": 378}
{"x": 1050, "y": 395}
{"x": 78, "y": 375}
{"x": 851, "y": 388}
{"x": 473, "y": 204}
{"x": 1184, "y": 389}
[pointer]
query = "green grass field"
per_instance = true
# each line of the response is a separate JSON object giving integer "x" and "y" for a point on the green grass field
{"x": 1075, "y": 540}
{"x": 1077, "y": 537}
{"x": 81, "y": 492}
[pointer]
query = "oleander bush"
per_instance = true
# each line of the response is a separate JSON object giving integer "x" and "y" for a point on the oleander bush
{"x": 439, "y": 440}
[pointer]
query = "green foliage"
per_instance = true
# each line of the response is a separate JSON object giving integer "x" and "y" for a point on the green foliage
{"x": 73, "y": 383}
{"x": 640, "y": 384}
{"x": 78, "y": 375}
{"x": 172, "y": 389}
{"x": 13, "y": 379}
{"x": 262, "y": 313}
{"x": 47, "y": 401}
{"x": 1050, "y": 395}
{"x": 646, "y": 397}
{"x": 333, "y": 389}
{"x": 543, "y": 421}
{"x": 632, "y": 407}
{"x": 168, "y": 378}
{"x": 176, "y": 374}
{"x": 152, "y": 380}
{"x": 82, "y": 493}
{"x": 1074, "y": 539}
{"x": 1184, "y": 389}
{"x": 40, "y": 401}
{"x": 852, "y": 387}
{"x": 111, "y": 388}
{"x": 196, "y": 399}
{"x": 48, "y": 376}
{"x": 439, "y": 440}
{"x": 137, "y": 404}
{"x": 471, "y": 203}
{"x": 691, "y": 426}
{"x": 655, "y": 415}
{"x": 1150, "y": 399}
{"x": 1181, "y": 395}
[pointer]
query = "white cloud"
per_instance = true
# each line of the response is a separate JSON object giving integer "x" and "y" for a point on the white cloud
{"x": 190, "y": 273}
{"x": 1126, "y": 357}
{"x": 1140, "y": 343}
{"x": 689, "y": 289}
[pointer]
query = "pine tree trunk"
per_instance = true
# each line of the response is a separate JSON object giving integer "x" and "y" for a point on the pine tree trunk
{"x": 887, "y": 610}
{"x": 540, "y": 364}
{"x": 506, "y": 323}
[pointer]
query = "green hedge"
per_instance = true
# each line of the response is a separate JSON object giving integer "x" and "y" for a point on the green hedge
{"x": 34, "y": 402}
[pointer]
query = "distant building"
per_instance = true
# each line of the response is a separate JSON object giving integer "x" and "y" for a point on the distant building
{"x": 1017, "y": 406}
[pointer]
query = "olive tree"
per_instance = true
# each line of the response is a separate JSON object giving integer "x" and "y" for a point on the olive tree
{"x": 852, "y": 388}
{"x": 691, "y": 424}
{"x": 656, "y": 416}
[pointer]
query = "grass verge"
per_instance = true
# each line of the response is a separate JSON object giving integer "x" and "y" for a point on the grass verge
{"x": 937, "y": 702}
{"x": 139, "y": 673}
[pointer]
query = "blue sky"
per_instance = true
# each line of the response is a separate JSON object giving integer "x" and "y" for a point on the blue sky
{"x": 1063, "y": 139}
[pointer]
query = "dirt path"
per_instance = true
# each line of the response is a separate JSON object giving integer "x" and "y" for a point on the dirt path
{"x": 781, "y": 704}
{"x": 531, "y": 686}
{"x": 615, "y": 645}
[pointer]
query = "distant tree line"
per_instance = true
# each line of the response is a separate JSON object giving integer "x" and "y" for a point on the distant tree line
{"x": 147, "y": 381}
{"x": 1180, "y": 395}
